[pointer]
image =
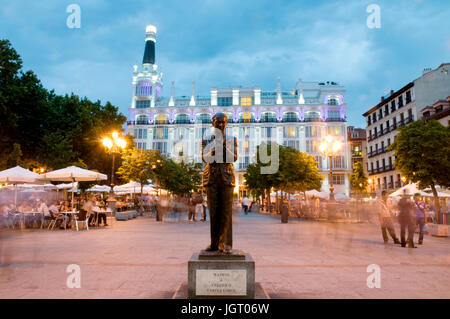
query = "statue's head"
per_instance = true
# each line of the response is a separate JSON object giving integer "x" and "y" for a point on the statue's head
{"x": 220, "y": 121}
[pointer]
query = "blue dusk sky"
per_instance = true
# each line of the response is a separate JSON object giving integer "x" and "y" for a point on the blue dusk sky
{"x": 225, "y": 43}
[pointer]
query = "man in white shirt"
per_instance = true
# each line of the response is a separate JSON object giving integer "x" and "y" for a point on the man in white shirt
{"x": 245, "y": 204}
{"x": 386, "y": 219}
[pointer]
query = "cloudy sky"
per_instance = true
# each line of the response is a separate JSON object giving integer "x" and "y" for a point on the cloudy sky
{"x": 228, "y": 42}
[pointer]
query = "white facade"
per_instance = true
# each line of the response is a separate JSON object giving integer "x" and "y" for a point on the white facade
{"x": 395, "y": 110}
{"x": 299, "y": 118}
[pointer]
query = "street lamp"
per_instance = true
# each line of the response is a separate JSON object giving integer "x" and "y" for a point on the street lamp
{"x": 114, "y": 146}
{"x": 330, "y": 147}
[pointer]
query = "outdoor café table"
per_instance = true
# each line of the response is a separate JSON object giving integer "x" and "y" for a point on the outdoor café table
{"x": 68, "y": 213}
{"x": 98, "y": 210}
{"x": 31, "y": 213}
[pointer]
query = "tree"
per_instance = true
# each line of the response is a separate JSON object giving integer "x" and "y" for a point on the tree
{"x": 358, "y": 180}
{"x": 297, "y": 171}
{"x": 15, "y": 158}
{"x": 52, "y": 130}
{"x": 139, "y": 165}
{"x": 422, "y": 153}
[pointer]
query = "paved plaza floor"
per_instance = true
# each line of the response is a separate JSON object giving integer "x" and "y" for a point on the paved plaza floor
{"x": 142, "y": 258}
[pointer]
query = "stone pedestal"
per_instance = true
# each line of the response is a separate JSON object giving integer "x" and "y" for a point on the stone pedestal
{"x": 212, "y": 275}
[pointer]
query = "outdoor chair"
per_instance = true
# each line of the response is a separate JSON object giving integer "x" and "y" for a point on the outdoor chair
{"x": 16, "y": 218}
{"x": 82, "y": 217}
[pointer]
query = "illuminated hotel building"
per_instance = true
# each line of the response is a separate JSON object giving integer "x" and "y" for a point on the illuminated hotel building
{"x": 299, "y": 118}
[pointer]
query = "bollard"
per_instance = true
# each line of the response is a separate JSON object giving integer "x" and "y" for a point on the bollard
{"x": 284, "y": 213}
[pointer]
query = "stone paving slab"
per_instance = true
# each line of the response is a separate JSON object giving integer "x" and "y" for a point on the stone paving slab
{"x": 142, "y": 258}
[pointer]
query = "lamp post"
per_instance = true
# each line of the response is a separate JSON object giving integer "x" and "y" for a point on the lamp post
{"x": 330, "y": 147}
{"x": 114, "y": 146}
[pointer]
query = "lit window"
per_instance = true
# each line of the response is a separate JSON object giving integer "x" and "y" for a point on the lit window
{"x": 246, "y": 100}
{"x": 246, "y": 147}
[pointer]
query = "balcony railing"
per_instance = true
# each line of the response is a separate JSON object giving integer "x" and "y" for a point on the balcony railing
{"x": 380, "y": 170}
{"x": 377, "y": 152}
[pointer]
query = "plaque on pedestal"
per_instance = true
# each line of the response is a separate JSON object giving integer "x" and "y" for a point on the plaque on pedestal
{"x": 216, "y": 275}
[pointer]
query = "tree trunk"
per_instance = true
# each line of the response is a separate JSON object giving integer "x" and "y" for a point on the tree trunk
{"x": 436, "y": 202}
{"x": 269, "y": 204}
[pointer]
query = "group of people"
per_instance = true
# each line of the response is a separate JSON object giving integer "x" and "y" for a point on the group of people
{"x": 42, "y": 211}
{"x": 411, "y": 214}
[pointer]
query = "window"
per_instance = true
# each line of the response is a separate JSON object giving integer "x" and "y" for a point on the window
{"x": 312, "y": 116}
{"x": 387, "y": 125}
{"x": 319, "y": 162}
{"x": 393, "y": 106}
{"x": 332, "y": 101}
{"x": 203, "y": 118}
{"x": 312, "y": 131}
{"x": 160, "y": 133}
{"x": 246, "y": 132}
{"x": 224, "y": 101}
{"x": 369, "y": 122}
{"x": 402, "y": 117}
{"x": 268, "y": 117}
{"x": 246, "y": 117}
{"x": 246, "y": 100}
{"x": 245, "y": 146}
{"x": 335, "y": 130}
{"x": 400, "y": 101}
{"x": 374, "y": 117}
{"x": 380, "y": 114}
{"x": 292, "y": 143}
{"x": 181, "y": 133}
{"x": 160, "y": 146}
{"x": 142, "y": 120}
{"x": 333, "y": 115}
{"x": 384, "y": 163}
{"x": 408, "y": 97}
{"x": 161, "y": 119}
{"x": 182, "y": 119}
{"x": 144, "y": 88}
{"x": 386, "y": 110}
{"x": 290, "y": 132}
{"x": 144, "y": 146}
{"x": 410, "y": 116}
{"x": 142, "y": 104}
{"x": 267, "y": 132}
{"x": 141, "y": 133}
{"x": 290, "y": 117}
{"x": 388, "y": 141}
{"x": 338, "y": 180}
{"x": 375, "y": 132}
{"x": 311, "y": 146}
{"x": 381, "y": 128}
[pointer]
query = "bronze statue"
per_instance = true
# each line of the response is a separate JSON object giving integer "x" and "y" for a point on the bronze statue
{"x": 219, "y": 152}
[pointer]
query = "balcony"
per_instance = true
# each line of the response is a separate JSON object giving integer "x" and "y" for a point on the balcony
{"x": 380, "y": 170}
{"x": 377, "y": 152}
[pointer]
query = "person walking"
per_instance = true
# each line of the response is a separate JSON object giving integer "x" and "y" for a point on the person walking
{"x": 386, "y": 220}
{"x": 191, "y": 209}
{"x": 419, "y": 213}
{"x": 406, "y": 220}
{"x": 245, "y": 204}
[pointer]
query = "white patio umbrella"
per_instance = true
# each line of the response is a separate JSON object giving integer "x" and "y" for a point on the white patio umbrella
{"x": 99, "y": 188}
{"x": 410, "y": 189}
{"x": 18, "y": 175}
{"x": 72, "y": 174}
